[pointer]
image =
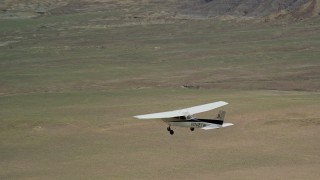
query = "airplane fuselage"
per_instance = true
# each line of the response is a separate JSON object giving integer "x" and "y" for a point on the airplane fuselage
{"x": 192, "y": 123}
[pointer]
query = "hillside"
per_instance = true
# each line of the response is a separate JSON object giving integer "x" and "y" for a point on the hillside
{"x": 297, "y": 9}
{"x": 74, "y": 73}
{"x": 243, "y": 8}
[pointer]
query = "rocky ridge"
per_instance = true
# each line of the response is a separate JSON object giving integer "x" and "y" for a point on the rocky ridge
{"x": 270, "y": 9}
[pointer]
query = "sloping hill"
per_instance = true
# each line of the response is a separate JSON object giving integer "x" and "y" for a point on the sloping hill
{"x": 307, "y": 10}
{"x": 252, "y": 8}
{"x": 192, "y": 8}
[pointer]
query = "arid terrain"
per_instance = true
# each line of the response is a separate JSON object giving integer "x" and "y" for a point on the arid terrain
{"x": 73, "y": 73}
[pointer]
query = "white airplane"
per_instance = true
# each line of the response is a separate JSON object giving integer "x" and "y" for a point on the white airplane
{"x": 185, "y": 118}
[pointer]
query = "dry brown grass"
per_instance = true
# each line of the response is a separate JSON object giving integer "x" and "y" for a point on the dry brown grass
{"x": 275, "y": 136}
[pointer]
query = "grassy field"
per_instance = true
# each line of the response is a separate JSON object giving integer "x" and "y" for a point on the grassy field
{"x": 69, "y": 86}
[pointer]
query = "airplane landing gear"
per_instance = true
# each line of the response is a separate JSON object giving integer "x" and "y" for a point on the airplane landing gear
{"x": 170, "y": 130}
{"x": 192, "y": 129}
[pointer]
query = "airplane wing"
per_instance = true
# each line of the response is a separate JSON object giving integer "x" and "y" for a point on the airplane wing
{"x": 183, "y": 112}
{"x": 215, "y": 126}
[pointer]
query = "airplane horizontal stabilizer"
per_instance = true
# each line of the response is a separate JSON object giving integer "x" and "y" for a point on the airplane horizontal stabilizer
{"x": 215, "y": 126}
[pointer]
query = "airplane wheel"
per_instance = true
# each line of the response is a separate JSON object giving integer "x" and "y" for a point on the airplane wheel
{"x": 168, "y": 128}
{"x": 191, "y": 129}
{"x": 171, "y": 132}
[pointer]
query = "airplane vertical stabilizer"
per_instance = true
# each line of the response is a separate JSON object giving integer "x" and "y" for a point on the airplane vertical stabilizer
{"x": 221, "y": 115}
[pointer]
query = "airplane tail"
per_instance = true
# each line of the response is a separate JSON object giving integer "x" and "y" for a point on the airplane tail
{"x": 221, "y": 116}
{"x": 218, "y": 121}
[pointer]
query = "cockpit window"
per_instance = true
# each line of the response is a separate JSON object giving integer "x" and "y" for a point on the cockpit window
{"x": 188, "y": 117}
